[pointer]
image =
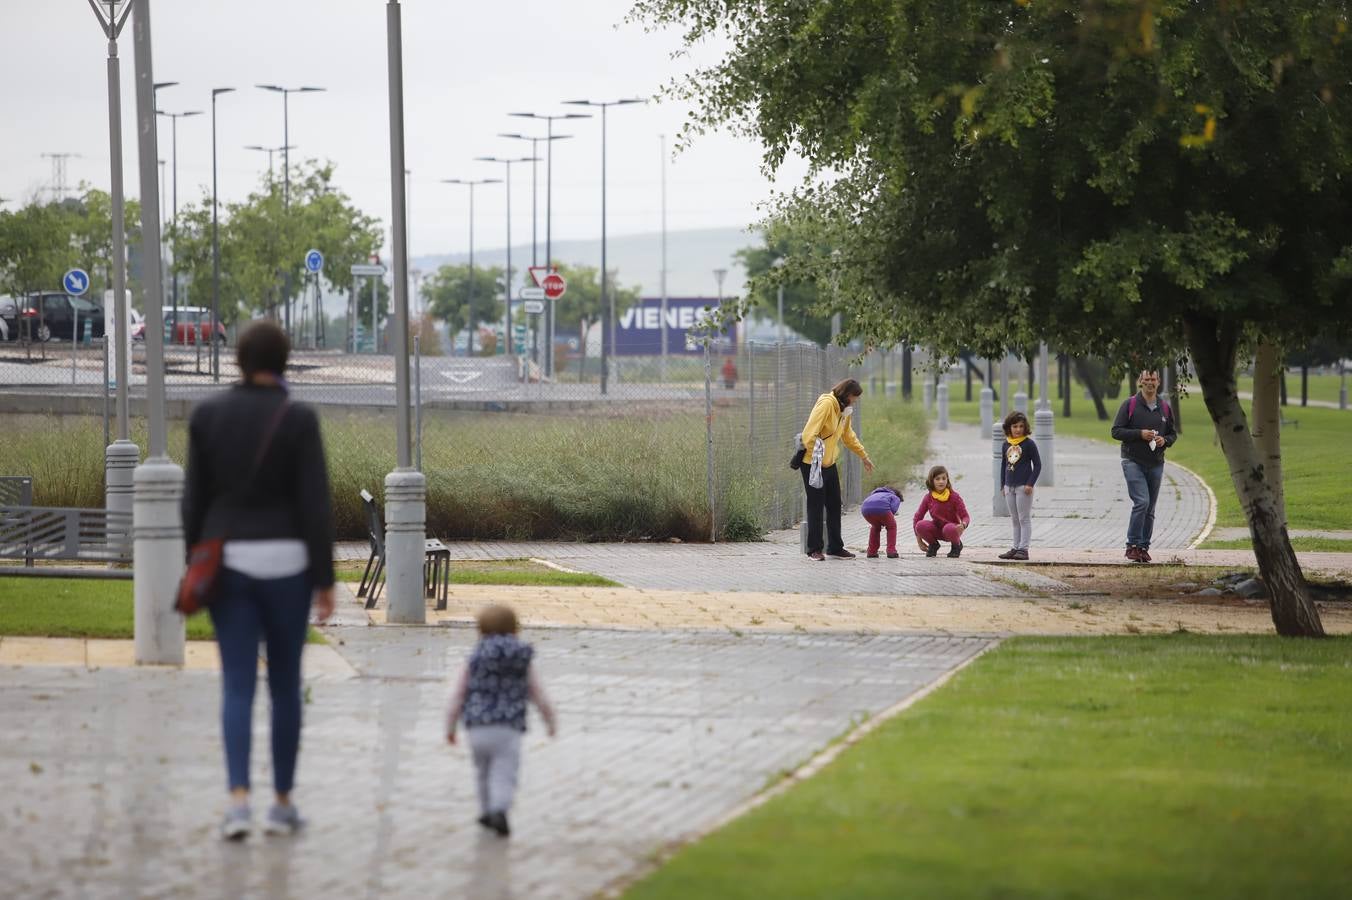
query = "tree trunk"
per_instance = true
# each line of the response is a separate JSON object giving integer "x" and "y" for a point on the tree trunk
{"x": 1094, "y": 392}
{"x": 1213, "y": 351}
{"x": 1304, "y": 385}
{"x": 1267, "y": 420}
{"x": 1174, "y": 394}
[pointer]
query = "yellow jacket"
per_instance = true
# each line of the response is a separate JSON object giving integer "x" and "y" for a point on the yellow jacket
{"x": 827, "y": 423}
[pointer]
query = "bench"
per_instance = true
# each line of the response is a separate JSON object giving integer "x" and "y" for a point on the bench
{"x": 54, "y": 533}
{"x": 436, "y": 560}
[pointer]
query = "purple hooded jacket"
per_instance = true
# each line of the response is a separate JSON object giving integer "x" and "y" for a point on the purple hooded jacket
{"x": 882, "y": 500}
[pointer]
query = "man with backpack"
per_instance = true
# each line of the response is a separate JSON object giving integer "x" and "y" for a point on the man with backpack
{"x": 1145, "y": 426}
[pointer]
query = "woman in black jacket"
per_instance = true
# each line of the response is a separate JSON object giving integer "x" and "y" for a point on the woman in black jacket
{"x": 257, "y": 479}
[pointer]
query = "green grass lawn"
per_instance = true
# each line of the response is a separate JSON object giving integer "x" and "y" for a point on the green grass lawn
{"x": 1322, "y": 387}
{"x": 1303, "y": 544}
{"x": 1318, "y": 493}
{"x": 1175, "y": 766}
{"x": 77, "y": 607}
{"x": 504, "y": 572}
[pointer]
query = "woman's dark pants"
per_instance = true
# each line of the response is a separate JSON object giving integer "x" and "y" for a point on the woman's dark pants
{"x": 825, "y": 499}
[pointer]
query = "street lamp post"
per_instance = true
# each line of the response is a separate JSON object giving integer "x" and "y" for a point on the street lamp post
{"x": 286, "y": 167}
{"x": 157, "y": 528}
{"x": 173, "y": 165}
{"x": 535, "y": 207}
{"x": 215, "y": 249}
{"x": 607, "y": 300}
{"x": 549, "y": 208}
{"x": 269, "y": 151}
{"x": 507, "y": 282}
{"x": 663, "y": 139}
{"x": 121, "y": 456}
{"x": 469, "y": 311}
{"x": 405, "y": 487}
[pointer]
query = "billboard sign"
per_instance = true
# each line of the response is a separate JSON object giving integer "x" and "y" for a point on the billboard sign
{"x": 638, "y": 332}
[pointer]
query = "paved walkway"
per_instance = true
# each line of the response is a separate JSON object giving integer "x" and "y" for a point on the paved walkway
{"x": 114, "y": 778}
{"x": 1085, "y": 511}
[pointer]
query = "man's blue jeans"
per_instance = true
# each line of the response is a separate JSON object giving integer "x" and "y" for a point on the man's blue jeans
{"x": 1143, "y": 486}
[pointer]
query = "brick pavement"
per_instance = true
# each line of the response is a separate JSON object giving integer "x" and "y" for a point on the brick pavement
{"x": 114, "y": 779}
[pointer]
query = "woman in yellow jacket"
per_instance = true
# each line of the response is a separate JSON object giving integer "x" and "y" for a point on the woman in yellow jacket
{"x": 829, "y": 422}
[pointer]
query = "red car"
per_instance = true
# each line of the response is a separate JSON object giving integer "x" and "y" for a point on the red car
{"x": 193, "y": 325}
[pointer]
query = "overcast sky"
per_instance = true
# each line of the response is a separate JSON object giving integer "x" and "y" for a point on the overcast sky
{"x": 466, "y": 65}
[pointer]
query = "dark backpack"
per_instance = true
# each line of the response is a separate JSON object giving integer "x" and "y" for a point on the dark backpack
{"x": 1131, "y": 407}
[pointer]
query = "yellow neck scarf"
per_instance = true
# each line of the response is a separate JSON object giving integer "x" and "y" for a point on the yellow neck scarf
{"x": 1016, "y": 441}
{"x": 942, "y": 498}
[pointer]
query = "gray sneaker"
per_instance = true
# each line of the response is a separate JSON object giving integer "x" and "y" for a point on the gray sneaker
{"x": 237, "y": 824}
{"x": 283, "y": 820}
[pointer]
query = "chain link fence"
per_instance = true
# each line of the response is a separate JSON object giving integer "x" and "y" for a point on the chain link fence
{"x": 720, "y": 426}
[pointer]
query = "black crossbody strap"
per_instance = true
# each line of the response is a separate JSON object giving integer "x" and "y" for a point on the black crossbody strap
{"x": 268, "y": 435}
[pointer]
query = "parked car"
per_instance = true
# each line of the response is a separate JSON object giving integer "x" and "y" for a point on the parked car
{"x": 53, "y": 314}
{"x": 192, "y": 324}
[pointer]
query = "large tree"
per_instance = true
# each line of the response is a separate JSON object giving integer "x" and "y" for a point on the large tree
{"x": 463, "y": 301}
{"x": 40, "y": 241}
{"x": 262, "y": 239}
{"x": 1144, "y": 179}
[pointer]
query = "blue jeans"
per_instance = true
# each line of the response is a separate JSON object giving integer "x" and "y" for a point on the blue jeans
{"x": 1143, "y": 486}
{"x": 278, "y": 609}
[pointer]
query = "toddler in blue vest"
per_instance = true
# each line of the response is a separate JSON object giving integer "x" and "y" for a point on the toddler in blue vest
{"x": 491, "y": 697}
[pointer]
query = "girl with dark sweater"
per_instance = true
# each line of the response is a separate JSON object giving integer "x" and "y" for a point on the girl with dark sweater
{"x": 1018, "y": 474}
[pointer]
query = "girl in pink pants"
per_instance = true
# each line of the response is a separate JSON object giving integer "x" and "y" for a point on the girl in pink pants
{"x": 948, "y": 517}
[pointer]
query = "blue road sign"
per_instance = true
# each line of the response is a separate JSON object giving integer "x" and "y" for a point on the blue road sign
{"x": 76, "y": 281}
{"x": 314, "y": 261}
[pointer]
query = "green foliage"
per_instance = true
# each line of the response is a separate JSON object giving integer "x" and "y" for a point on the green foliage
{"x": 62, "y": 607}
{"x": 1171, "y": 766}
{"x": 452, "y": 295}
{"x": 805, "y": 309}
{"x": 999, "y": 173}
{"x": 40, "y": 241}
{"x": 513, "y": 477}
{"x": 261, "y": 240}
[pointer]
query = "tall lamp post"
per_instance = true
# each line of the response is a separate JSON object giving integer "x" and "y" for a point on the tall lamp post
{"x": 174, "y": 183}
{"x": 405, "y": 487}
{"x": 157, "y": 528}
{"x": 663, "y": 139}
{"x": 121, "y": 456}
{"x": 535, "y": 208}
{"x": 607, "y": 300}
{"x": 215, "y": 248}
{"x": 507, "y": 282}
{"x": 469, "y": 312}
{"x": 269, "y": 151}
{"x": 286, "y": 167}
{"x": 549, "y": 207}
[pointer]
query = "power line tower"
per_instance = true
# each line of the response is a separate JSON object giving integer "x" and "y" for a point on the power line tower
{"x": 58, "y": 187}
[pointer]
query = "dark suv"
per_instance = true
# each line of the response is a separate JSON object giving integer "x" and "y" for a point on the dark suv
{"x": 53, "y": 315}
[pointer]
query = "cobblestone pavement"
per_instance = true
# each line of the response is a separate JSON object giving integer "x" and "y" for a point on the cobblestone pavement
{"x": 114, "y": 779}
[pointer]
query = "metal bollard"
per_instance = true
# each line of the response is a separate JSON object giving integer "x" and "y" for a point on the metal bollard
{"x": 987, "y": 408}
{"x": 942, "y": 403}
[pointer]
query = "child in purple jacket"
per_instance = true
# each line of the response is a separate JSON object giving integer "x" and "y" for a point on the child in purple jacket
{"x": 880, "y": 511}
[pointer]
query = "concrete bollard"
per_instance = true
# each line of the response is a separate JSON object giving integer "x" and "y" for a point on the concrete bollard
{"x": 405, "y": 534}
{"x": 987, "y": 404}
{"x": 1044, "y": 432}
{"x": 942, "y": 403}
{"x": 119, "y": 473}
{"x": 1021, "y": 402}
{"x": 998, "y": 507}
{"x": 158, "y": 555}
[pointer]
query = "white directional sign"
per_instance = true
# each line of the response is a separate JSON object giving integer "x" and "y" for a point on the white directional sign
{"x": 76, "y": 281}
{"x": 314, "y": 261}
{"x": 360, "y": 269}
{"x": 532, "y": 293}
{"x": 535, "y": 307}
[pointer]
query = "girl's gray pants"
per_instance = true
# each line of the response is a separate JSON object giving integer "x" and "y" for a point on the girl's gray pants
{"x": 497, "y": 760}
{"x": 1020, "y": 507}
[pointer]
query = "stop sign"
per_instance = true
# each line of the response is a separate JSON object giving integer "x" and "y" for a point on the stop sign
{"x": 554, "y": 285}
